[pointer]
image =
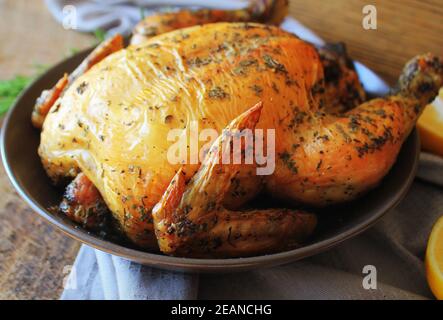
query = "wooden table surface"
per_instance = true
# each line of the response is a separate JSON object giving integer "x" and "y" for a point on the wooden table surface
{"x": 33, "y": 255}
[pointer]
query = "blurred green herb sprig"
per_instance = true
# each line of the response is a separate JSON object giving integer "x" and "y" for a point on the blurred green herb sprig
{"x": 10, "y": 89}
{"x": 100, "y": 35}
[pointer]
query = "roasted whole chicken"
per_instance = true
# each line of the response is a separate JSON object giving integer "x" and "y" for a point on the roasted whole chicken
{"x": 105, "y": 128}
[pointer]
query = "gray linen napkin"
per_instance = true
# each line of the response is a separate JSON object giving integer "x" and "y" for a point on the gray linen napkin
{"x": 97, "y": 275}
{"x": 395, "y": 246}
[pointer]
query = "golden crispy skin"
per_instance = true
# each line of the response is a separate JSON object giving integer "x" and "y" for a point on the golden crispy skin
{"x": 265, "y": 11}
{"x": 343, "y": 90}
{"x": 337, "y": 158}
{"x": 113, "y": 122}
{"x": 83, "y": 203}
{"x": 48, "y": 97}
{"x": 191, "y": 220}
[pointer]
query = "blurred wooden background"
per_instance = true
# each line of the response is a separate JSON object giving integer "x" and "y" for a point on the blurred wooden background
{"x": 32, "y": 254}
{"x": 405, "y": 28}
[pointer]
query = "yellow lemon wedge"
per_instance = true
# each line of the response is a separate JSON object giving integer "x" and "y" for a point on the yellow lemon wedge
{"x": 434, "y": 260}
{"x": 430, "y": 126}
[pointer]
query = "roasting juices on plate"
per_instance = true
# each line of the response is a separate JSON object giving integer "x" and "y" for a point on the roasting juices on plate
{"x": 105, "y": 129}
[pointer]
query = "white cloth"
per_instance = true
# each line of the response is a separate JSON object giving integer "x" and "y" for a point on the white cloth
{"x": 336, "y": 274}
{"x": 120, "y": 16}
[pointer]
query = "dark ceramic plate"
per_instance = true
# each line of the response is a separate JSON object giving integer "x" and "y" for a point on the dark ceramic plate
{"x": 19, "y": 154}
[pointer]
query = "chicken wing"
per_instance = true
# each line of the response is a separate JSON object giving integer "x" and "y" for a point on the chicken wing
{"x": 190, "y": 220}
